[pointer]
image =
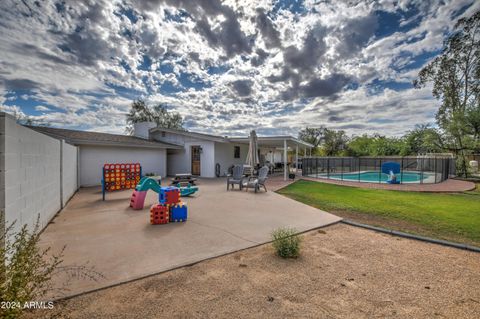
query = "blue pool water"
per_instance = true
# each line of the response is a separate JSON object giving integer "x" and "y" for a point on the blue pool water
{"x": 376, "y": 177}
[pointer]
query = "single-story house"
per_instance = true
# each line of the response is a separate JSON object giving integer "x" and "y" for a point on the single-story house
{"x": 41, "y": 168}
{"x": 165, "y": 151}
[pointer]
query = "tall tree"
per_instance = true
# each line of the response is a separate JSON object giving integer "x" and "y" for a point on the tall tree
{"x": 335, "y": 142}
{"x": 455, "y": 75}
{"x": 141, "y": 112}
{"x": 423, "y": 139}
{"x": 360, "y": 146}
{"x": 312, "y": 135}
{"x": 473, "y": 123}
{"x": 376, "y": 145}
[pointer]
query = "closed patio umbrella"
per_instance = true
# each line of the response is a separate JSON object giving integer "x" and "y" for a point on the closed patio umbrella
{"x": 252, "y": 156}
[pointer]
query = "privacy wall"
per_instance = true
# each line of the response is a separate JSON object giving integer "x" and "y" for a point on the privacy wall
{"x": 38, "y": 174}
{"x": 69, "y": 171}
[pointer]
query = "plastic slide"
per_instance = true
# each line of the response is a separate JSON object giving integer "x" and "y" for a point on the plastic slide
{"x": 144, "y": 185}
{"x": 148, "y": 183}
{"x": 391, "y": 169}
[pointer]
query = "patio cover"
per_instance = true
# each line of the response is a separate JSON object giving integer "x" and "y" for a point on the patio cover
{"x": 283, "y": 142}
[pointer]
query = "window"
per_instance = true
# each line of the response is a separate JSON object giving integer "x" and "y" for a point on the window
{"x": 236, "y": 151}
{"x": 163, "y": 134}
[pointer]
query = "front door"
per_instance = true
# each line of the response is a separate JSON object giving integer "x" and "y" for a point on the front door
{"x": 196, "y": 160}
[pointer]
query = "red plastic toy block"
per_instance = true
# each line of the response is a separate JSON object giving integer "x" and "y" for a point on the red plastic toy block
{"x": 159, "y": 214}
{"x": 169, "y": 195}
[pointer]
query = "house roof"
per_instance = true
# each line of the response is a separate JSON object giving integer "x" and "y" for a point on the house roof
{"x": 95, "y": 138}
{"x": 276, "y": 141}
{"x": 208, "y": 137}
{"x": 77, "y": 137}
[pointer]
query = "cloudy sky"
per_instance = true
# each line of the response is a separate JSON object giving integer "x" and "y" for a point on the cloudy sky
{"x": 226, "y": 66}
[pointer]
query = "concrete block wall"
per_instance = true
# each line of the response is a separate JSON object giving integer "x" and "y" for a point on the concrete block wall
{"x": 31, "y": 180}
{"x": 2, "y": 176}
{"x": 69, "y": 171}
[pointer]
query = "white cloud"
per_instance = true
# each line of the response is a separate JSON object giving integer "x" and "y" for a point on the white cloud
{"x": 41, "y": 108}
{"x": 12, "y": 109}
{"x": 87, "y": 62}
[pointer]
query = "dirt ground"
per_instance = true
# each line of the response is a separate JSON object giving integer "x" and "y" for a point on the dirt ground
{"x": 343, "y": 272}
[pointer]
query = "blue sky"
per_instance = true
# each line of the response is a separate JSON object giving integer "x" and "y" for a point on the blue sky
{"x": 225, "y": 66}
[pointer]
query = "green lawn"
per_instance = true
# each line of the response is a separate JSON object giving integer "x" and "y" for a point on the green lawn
{"x": 447, "y": 216}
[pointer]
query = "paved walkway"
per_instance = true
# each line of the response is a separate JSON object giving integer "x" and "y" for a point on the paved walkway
{"x": 448, "y": 186}
{"x": 121, "y": 244}
{"x": 275, "y": 182}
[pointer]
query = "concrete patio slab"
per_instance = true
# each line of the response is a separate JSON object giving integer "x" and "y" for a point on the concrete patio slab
{"x": 121, "y": 244}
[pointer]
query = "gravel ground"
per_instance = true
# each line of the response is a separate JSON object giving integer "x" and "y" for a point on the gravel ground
{"x": 344, "y": 272}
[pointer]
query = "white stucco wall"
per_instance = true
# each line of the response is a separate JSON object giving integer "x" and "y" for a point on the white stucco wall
{"x": 224, "y": 155}
{"x": 180, "y": 161}
{"x": 69, "y": 171}
{"x": 177, "y": 162}
{"x": 31, "y": 175}
{"x": 207, "y": 159}
{"x": 92, "y": 159}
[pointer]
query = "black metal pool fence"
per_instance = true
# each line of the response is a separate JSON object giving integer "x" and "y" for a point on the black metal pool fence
{"x": 413, "y": 169}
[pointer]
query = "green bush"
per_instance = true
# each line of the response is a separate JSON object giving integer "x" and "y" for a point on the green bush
{"x": 286, "y": 243}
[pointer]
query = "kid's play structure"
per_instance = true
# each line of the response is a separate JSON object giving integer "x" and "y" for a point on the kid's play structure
{"x": 391, "y": 169}
{"x": 187, "y": 190}
{"x": 137, "y": 200}
{"x": 170, "y": 208}
{"x": 120, "y": 176}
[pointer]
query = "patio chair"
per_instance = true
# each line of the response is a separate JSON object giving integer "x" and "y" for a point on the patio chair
{"x": 256, "y": 182}
{"x": 236, "y": 177}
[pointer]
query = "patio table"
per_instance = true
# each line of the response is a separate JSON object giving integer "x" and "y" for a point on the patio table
{"x": 184, "y": 178}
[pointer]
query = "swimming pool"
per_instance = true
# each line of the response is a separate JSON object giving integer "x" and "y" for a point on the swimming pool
{"x": 376, "y": 177}
{"x": 411, "y": 169}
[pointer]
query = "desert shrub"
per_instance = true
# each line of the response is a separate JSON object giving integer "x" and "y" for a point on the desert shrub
{"x": 26, "y": 270}
{"x": 286, "y": 242}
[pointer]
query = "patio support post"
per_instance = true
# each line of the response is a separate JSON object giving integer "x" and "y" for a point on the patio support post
{"x": 285, "y": 160}
{"x": 296, "y": 159}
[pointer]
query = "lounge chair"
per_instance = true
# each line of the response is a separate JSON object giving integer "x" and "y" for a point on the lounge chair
{"x": 236, "y": 177}
{"x": 256, "y": 182}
